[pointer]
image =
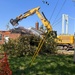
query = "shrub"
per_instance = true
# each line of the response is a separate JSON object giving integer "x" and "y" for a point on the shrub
{"x": 50, "y": 45}
{"x": 26, "y": 45}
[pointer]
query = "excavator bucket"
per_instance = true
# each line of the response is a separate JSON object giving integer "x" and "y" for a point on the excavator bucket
{"x": 14, "y": 22}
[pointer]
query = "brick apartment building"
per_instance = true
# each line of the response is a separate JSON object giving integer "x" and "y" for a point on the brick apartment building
{"x": 5, "y": 35}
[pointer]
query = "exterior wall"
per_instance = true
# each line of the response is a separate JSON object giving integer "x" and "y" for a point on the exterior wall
{"x": 8, "y": 34}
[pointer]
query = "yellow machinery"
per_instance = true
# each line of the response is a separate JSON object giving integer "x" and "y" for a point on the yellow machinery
{"x": 66, "y": 41}
{"x": 43, "y": 19}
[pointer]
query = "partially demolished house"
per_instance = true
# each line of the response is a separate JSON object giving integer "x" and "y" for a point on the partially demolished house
{"x": 5, "y": 35}
{"x": 16, "y": 32}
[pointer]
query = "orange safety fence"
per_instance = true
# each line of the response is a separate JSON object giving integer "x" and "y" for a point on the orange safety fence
{"x": 4, "y": 65}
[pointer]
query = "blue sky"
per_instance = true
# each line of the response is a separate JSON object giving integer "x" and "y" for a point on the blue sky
{"x": 13, "y": 8}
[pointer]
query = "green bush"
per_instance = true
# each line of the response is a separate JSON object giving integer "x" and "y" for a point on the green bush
{"x": 50, "y": 45}
{"x": 26, "y": 45}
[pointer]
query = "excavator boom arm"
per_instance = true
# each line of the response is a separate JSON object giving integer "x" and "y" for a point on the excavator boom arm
{"x": 28, "y": 13}
{"x": 42, "y": 17}
{"x": 45, "y": 22}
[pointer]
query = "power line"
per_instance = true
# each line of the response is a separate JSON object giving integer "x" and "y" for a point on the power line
{"x": 59, "y": 11}
{"x": 59, "y": 20}
{"x": 71, "y": 18}
{"x": 54, "y": 9}
{"x": 74, "y": 21}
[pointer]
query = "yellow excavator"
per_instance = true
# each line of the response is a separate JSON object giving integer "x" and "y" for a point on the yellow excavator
{"x": 42, "y": 17}
{"x": 66, "y": 41}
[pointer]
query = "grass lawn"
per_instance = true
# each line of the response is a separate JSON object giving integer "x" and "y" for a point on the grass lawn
{"x": 43, "y": 65}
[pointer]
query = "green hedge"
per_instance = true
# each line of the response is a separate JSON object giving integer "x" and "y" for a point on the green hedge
{"x": 26, "y": 45}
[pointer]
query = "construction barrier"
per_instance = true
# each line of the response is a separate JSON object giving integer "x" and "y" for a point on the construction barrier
{"x": 4, "y": 65}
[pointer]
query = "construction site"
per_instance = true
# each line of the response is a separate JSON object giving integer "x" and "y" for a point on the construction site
{"x": 38, "y": 39}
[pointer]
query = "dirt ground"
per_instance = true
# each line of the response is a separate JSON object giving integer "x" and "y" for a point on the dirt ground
{"x": 71, "y": 52}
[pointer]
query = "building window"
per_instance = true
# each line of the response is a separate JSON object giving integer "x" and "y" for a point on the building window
{"x": 0, "y": 36}
{"x": 6, "y": 39}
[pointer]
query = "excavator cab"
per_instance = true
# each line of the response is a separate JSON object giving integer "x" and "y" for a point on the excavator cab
{"x": 52, "y": 33}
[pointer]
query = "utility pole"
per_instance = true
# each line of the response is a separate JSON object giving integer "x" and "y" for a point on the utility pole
{"x": 74, "y": 47}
